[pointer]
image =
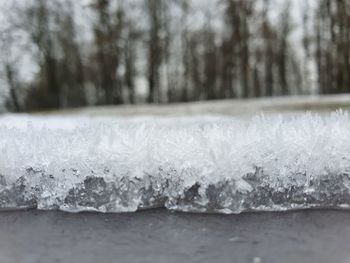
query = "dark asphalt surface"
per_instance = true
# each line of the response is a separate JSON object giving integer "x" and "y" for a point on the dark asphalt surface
{"x": 163, "y": 236}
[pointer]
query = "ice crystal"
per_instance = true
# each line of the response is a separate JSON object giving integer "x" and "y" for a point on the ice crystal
{"x": 200, "y": 164}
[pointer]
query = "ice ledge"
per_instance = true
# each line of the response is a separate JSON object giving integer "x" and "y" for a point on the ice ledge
{"x": 200, "y": 165}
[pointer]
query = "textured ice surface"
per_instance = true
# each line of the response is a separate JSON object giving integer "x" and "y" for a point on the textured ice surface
{"x": 198, "y": 164}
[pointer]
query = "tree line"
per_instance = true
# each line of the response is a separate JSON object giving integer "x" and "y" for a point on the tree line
{"x": 165, "y": 51}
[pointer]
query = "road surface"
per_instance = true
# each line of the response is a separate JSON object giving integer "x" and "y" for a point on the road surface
{"x": 162, "y": 236}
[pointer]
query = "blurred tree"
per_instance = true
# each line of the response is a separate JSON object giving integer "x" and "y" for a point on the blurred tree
{"x": 130, "y": 58}
{"x": 283, "y": 50}
{"x": 12, "y": 80}
{"x": 71, "y": 65}
{"x": 157, "y": 46}
{"x": 38, "y": 23}
{"x": 107, "y": 32}
{"x": 269, "y": 38}
{"x": 186, "y": 56}
{"x": 178, "y": 50}
{"x": 333, "y": 46}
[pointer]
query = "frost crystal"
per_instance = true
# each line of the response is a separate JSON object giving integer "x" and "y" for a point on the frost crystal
{"x": 200, "y": 164}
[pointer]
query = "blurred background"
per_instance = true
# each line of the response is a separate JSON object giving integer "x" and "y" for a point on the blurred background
{"x": 57, "y": 54}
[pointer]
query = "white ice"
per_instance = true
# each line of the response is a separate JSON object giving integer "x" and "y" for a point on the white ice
{"x": 201, "y": 149}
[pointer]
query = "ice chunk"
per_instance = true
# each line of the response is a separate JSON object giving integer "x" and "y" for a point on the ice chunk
{"x": 199, "y": 164}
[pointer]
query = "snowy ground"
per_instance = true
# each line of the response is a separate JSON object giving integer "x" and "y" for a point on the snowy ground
{"x": 237, "y": 108}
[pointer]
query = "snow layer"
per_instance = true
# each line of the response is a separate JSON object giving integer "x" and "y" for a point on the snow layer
{"x": 198, "y": 164}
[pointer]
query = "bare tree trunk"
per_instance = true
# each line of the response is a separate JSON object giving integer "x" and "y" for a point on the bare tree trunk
{"x": 107, "y": 37}
{"x": 130, "y": 71}
{"x": 154, "y": 49}
{"x": 269, "y": 54}
{"x": 11, "y": 80}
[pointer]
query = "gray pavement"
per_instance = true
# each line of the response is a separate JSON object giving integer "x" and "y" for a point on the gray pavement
{"x": 162, "y": 236}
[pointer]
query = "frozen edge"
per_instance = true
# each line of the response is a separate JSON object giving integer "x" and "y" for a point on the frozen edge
{"x": 224, "y": 166}
{"x": 261, "y": 193}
